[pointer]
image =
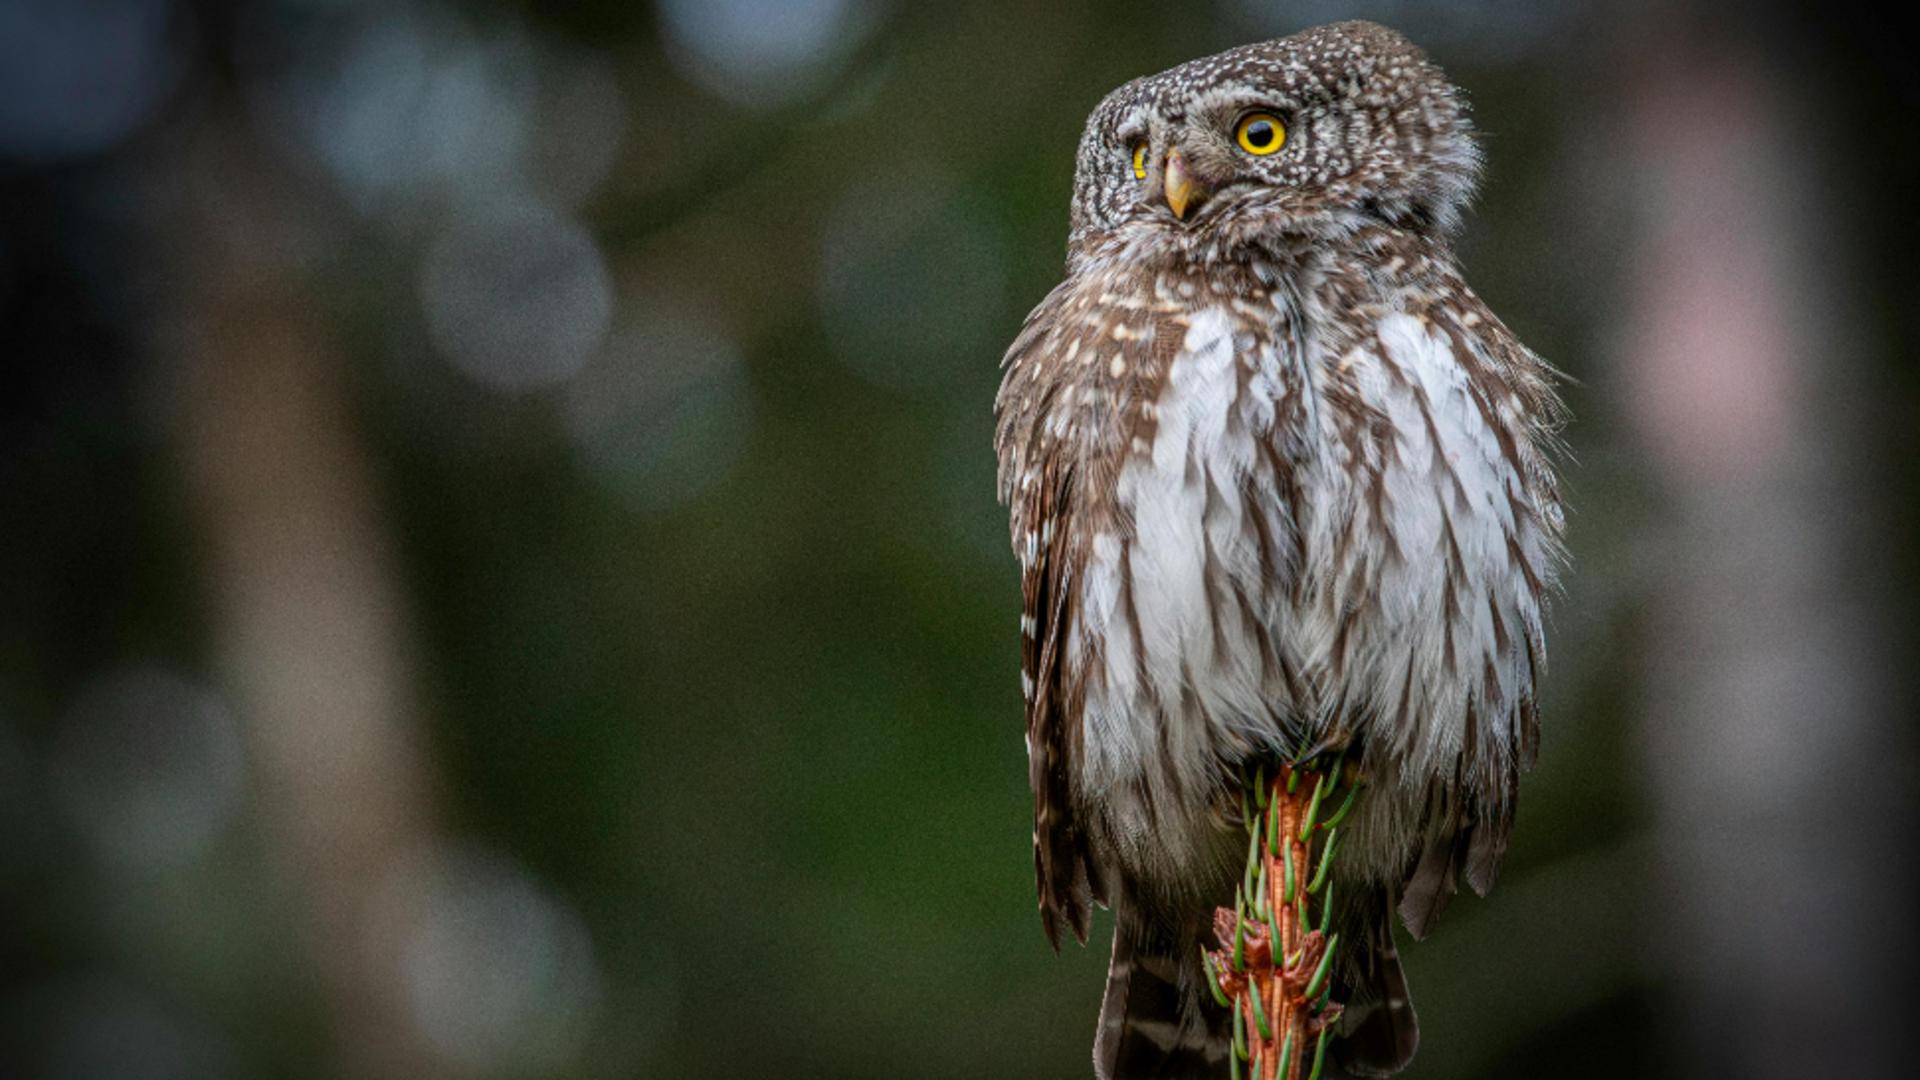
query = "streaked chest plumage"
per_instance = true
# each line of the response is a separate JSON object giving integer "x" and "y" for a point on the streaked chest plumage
{"x": 1302, "y": 501}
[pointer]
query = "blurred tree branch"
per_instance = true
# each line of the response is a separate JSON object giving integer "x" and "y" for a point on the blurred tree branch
{"x": 308, "y": 616}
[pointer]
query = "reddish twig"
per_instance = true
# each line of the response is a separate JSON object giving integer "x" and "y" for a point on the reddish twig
{"x": 1274, "y": 966}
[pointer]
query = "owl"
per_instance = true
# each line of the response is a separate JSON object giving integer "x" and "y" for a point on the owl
{"x": 1278, "y": 479}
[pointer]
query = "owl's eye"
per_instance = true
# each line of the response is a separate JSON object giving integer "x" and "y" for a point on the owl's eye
{"x": 1260, "y": 133}
{"x": 1140, "y": 161}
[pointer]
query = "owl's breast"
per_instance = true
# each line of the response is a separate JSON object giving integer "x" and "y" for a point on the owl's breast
{"x": 1427, "y": 550}
{"x": 1179, "y": 631}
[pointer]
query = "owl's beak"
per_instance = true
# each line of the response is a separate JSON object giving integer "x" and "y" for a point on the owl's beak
{"x": 1182, "y": 189}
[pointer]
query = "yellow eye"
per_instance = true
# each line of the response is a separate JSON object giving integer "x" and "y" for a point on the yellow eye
{"x": 1140, "y": 161}
{"x": 1260, "y": 133}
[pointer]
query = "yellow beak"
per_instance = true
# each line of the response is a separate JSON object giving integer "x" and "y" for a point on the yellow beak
{"x": 1180, "y": 184}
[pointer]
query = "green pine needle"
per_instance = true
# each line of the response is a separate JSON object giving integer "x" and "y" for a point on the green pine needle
{"x": 1326, "y": 965}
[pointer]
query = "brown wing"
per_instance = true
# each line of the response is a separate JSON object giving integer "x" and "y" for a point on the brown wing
{"x": 1068, "y": 414}
{"x": 1037, "y": 481}
{"x": 1060, "y": 859}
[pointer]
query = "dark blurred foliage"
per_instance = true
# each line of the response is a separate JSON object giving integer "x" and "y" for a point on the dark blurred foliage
{"x": 499, "y": 571}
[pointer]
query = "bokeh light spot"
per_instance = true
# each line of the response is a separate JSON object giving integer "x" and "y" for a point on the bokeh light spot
{"x": 499, "y": 974}
{"x": 77, "y": 76}
{"x": 517, "y": 300}
{"x": 763, "y": 53}
{"x": 407, "y": 100}
{"x": 148, "y": 766}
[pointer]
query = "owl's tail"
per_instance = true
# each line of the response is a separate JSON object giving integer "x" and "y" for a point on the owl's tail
{"x": 1158, "y": 1021}
{"x": 1154, "y": 1023}
{"x": 1378, "y": 1032}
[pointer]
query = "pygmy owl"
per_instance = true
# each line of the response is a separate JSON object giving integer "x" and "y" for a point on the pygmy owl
{"x": 1277, "y": 479}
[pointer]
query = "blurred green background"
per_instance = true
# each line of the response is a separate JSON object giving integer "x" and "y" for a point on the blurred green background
{"x": 499, "y": 570}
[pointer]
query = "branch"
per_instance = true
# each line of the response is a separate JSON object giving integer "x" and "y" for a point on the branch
{"x": 1274, "y": 967}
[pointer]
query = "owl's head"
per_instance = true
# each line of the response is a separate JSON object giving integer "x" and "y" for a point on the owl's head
{"x": 1303, "y": 135}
